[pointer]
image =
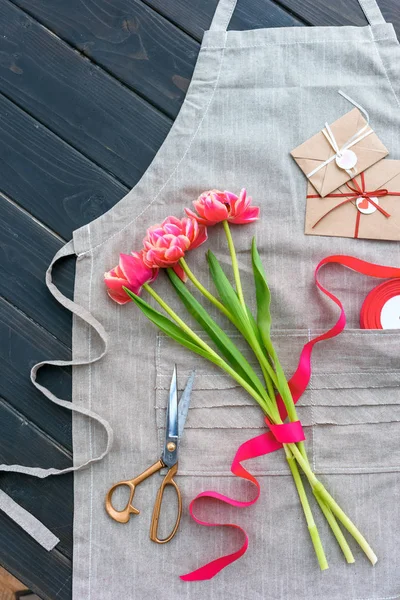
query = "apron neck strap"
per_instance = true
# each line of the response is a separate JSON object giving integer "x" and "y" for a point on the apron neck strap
{"x": 372, "y": 12}
{"x": 223, "y": 15}
{"x": 225, "y": 8}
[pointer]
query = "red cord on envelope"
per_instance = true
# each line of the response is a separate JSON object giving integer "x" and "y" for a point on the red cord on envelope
{"x": 288, "y": 432}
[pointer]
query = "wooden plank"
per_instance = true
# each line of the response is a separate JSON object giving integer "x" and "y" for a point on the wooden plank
{"x": 126, "y": 37}
{"x": 391, "y": 11}
{"x": 9, "y": 585}
{"x": 47, "y": 177}
{"x": 195, "y": 17}
{"x": 27, "y": 248}
{"x": 341, "y": 12}
{"x": 22, "y": 344}
{"x": 323, "y": 13}
{"x": 76, "y": 99}
{"x": 23, "y": 443}
{"x": 49, "y": 574}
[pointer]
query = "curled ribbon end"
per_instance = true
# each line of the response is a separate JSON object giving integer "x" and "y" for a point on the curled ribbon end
{"x": 211, "y": 569}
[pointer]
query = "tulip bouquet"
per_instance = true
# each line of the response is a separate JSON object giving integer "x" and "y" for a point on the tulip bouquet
{"x": 166, "y": 246}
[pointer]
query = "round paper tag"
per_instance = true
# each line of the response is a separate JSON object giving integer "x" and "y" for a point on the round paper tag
{"x": 365, "y": 207}
{"x": 347, "y": 159}
{"x": 390, "y": 314}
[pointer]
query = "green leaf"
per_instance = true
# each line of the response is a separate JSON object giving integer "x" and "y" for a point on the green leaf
{"x": 227, "y": 293}
{"x": 167, "y": 326}
{"x": 254, "y": 326}
{"x": 263, "y": 296}
{"x": 225, "y": 345}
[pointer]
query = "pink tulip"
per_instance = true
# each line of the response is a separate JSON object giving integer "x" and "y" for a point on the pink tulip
{"x": 214, "y": 206}
{"x": 132, "y": 273}
{"x": 165, "y": 244}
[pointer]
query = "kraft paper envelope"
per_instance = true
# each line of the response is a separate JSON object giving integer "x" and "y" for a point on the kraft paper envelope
{"x": 341, "y": 222}
{"x": 315, "y": 151}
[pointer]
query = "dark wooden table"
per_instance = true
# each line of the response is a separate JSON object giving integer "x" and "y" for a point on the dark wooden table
{"x": 89, "y": 90}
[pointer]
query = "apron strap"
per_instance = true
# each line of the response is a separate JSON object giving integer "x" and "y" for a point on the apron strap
{"x": 223, "y": 15}
{"x": 27, "y": 521}
{"x": 372, "y": 12}
{"x": 86, "y": 316}
{"x": 30, "y": 524}
{"x": 225, "y": 8}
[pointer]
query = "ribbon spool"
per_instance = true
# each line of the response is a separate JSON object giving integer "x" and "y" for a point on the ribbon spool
{"x": 381, "y": 308}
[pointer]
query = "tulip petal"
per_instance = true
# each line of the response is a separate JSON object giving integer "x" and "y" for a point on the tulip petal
{"x": 198, "y": 218}
{"x": 120, "y": 298}
{"x": 180, "y": 272}
{"x": 248, "y": 216}
{"x": 115, "y": 283}
{"x": 173, "y": 254}
{"x": 201, "y": 238}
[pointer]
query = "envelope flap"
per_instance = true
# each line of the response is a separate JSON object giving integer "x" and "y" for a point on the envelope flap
{"x": 385, "y": 173}
{"x": 315, "y": 148}
{"x": 347, "y": 126}
{"x": 318, "y": 148}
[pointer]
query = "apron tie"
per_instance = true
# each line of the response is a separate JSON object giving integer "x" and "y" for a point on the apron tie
{"x": 27, "y": 521}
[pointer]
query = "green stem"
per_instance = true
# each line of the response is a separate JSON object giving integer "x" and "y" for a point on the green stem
{"x": 292, "y": 414}
{"x": 258, "y": 351}
{"x": 285, "y": 391}
{"x": 235, "y": 266}
{"x": 337, "y": 532}
{"x": 207, "y": 294}
{"x": 213, "y": 356}
{"x": 247, "y": 330}
{"x": 312, "y": 528}
{"x": 216, "y": 359}
{"x": 320, "y": 490}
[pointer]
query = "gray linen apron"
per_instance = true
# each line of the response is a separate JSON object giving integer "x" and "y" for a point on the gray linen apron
{"x": 254, "y": 96}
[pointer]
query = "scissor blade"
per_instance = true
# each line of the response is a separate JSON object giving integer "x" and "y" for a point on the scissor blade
{"x": 172, "y": 409}
{"x": 170, "y": 452}
{"x": 184, "y": 403}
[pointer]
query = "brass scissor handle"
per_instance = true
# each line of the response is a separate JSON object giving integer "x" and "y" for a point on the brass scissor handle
{"x": 123, "y": 516}
{"x": 168, "y": 480}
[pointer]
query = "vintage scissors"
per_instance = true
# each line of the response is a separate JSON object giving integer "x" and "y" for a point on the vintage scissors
{"x": 175, "y": 423}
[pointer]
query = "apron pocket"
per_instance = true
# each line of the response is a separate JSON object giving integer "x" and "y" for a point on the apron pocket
{"x": 350, "y": 411}
{"x": 221, "y": 416}
{"x": 355, "y": 403}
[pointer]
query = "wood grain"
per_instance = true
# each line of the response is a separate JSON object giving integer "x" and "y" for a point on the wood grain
{"x": 341, "y": 12}
{"x": 23, "y": 343}
{"x": 26, "y": 250}
{"x": 47, "y": 177}
{"x": 49, "y": 574}
{"x": 51, "y": 499}
{"x": 195, "y": 16}
{"x": 9, "y": 585}
{"x": 126, "y": 37}
{"x": 85, "y": 106}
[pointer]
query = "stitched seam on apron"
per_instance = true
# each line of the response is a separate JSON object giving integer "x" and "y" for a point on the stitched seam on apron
{"x": 267, "y": 44}
{"x": 90, "y": 251}
{"x": 384, "y": 67}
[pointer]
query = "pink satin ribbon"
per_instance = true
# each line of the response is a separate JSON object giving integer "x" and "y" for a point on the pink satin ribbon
{"x": 288, "y": 432}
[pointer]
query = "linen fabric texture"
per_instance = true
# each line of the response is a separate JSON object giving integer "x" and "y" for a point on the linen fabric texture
{"x": 254, "y": 96}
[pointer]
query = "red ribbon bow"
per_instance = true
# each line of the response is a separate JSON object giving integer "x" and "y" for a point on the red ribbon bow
{"x": 358, "y": 191}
